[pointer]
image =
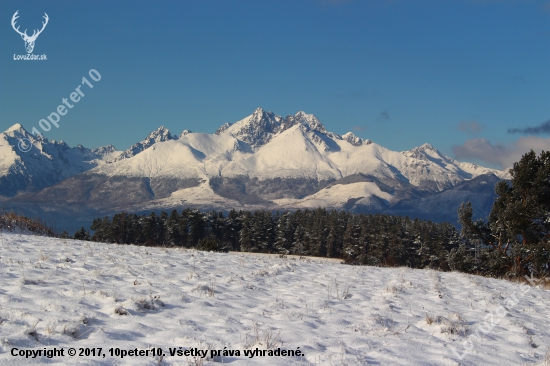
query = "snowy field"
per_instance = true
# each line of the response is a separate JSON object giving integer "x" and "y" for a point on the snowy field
{"x": 66, "y": 294}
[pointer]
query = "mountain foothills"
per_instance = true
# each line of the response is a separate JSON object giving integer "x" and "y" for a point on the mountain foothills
{"x": 263, "y": 161}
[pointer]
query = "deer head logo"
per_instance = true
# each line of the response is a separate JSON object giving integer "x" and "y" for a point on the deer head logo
{"x": 29, "y": 41}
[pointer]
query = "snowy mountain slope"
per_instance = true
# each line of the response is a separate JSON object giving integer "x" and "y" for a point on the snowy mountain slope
{"x": 360, "y": 196}
{"x": 155, "y": 173}
{"x": 291, "y": 154}
{"x": 194, "y": 155}
{"x": 428, "y": 153}
{"x": 46, "y": 163}
{"x": 66, "y": 293}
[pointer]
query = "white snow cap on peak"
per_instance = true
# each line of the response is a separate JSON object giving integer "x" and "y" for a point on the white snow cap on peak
{"x": 256, "y": 130}
{"x": 308, "y": 120}
{"x": 427, "y": 146}
{"x": 107, "y": 149}
{"x": 261, "y": 127}
{"x": 428, "y": 152}
{"x": 185, "y": 133}
{"x": 16, "y": 129}
{"x": 422, "y": 149}
{"x": 159, "y": 135}
{"x": 354, "y": 140}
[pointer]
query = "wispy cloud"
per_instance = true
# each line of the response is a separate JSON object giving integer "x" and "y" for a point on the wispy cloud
{"x": 499, "y": 155}
{"x": 470, "y": 127}
{"x": 537, "y": 130}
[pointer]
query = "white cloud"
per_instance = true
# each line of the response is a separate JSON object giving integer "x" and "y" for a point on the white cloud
{"x": 501, "y": 155}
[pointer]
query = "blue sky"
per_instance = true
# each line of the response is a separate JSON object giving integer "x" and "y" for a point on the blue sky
{"x": 458, "y": 74}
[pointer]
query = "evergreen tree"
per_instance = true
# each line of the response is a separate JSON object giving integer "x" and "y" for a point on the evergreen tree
{"x": 183, "y": 230}
{"x": 245, "y": 234}
{"x": 197, "y": 225}
{"x": 331, "y": 244}
{"x": 172, "y": 230}
{"x": 298, "y": 246}
{"x": 210, "y": 244}
{"x": 518, "y": 227}
{"x": 82, "y": 234}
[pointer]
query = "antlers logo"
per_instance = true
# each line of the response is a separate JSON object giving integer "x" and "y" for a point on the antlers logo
{"x": 29, "y": 40}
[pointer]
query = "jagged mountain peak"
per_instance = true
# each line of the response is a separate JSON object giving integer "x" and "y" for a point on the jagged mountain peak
{"x": 424, "y": 147}
{"x": 18, "y": 131}
{"x": 427, "y": 146}
{"x": 259, "y": 112}
{"x": 308, "y": 120}
{"x": 354, "y": 140}
{"x": 259, "y": 115}
{"x": 261, "y": 126}
{"x": 426, "y": 152}
{"x": 159, "y": 135}
{"x": 257, "y": 129}
{"x": 223, "y": 127}
{"x": 185, "y": 133}
{"x": 17, "y": 135}
{"x": 107, "y": 149}
{"x": 16, "y": 127}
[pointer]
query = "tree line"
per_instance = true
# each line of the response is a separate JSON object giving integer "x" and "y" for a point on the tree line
{"x": 356, "y": 238}
{"x": 513, "y": 241}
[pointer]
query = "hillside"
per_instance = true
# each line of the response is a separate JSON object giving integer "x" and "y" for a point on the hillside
{"x": 65, "y": 293}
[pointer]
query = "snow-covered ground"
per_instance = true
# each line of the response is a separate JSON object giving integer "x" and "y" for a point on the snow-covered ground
{"x": 58, "y": 293}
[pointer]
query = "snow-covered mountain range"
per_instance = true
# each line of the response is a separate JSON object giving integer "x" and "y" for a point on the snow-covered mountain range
{"x": 262, "y": 161}
{"x": 45, "y": 163}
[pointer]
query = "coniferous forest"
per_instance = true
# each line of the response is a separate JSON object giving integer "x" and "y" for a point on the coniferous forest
{"x": 514, "y": 241}
{"x": 358, "y": 239}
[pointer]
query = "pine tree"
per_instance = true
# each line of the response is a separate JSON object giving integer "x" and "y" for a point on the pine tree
{"x": 245, "y": 237}
{"x": 173, "y": 235}
{"x": 518, "y": 227}
{"x": 283, "y": 242}
{"x": 197, "y": 226}
{"x": 298, "y": 247}
{"x": 82, "y": 234}
{"x": 331, "y": 244}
